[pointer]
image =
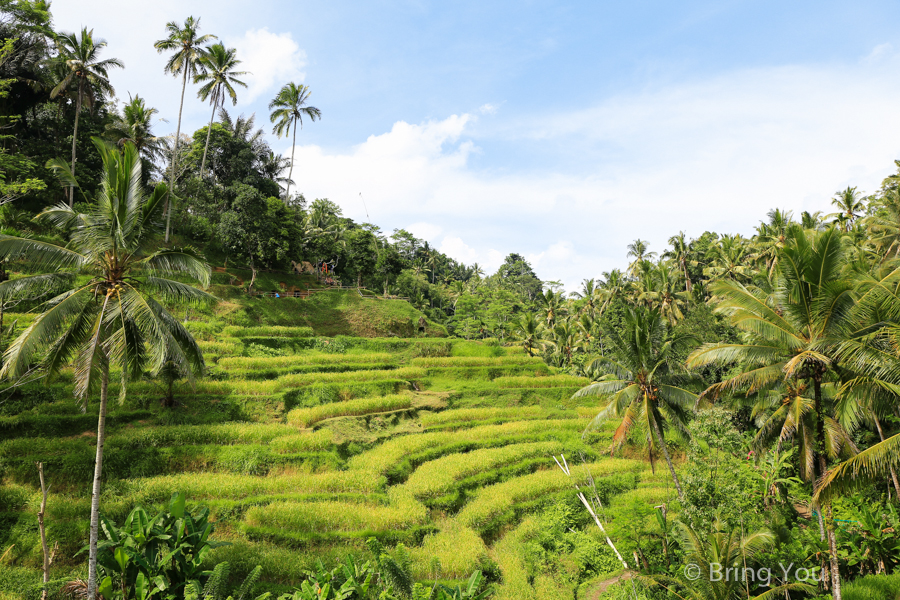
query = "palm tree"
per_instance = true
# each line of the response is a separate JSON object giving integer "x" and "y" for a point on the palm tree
{"x": 792, "y": 335}
{"x": 288, "y": 108}
{"x": 219, "y": 78}
{"x": 643, "y": 384}
{"x": 613, "y": 284}
{"x": 590, "y": 293}
{"x": 271, "y": 166}
{"x": 679, "y": 253}
{"x": 850, "y": 207}
{"x": 114, "y": 319}
{"x": 662, "y": 291}
{"x": 528, "y": 330}
{"x": 135, "y": 126}
{"x": 82, "y": 57}
{"x": 638, "y": 251}
{"x": 711, "y": 554}
{"x": 770, "y": 237}
{"x": 884, "y": 225}
{"x": 728, "y": 259}
{"x": 188, "y": 48}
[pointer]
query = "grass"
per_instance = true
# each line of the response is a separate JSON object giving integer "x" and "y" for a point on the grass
{"x": 303, "y": 445}
{"x": 402, "y": 512}
{"x": 439, "y": 476}
{"x": 492, "y": 501}
{"x": 454, "y": 552}
{"x": 476, "y": 361}
{"x": 541, "y": 382}
{"x": 307, "y": 417}
{"x": 394, "y": 452}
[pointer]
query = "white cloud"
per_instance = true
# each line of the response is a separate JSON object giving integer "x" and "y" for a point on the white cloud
{"x": 488, "y": 109}
{"x": 706, "y": 155}
{"x": 272, "y": 59}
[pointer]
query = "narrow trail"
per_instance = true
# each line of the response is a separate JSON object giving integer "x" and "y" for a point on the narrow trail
{"x": 601, "y": 586}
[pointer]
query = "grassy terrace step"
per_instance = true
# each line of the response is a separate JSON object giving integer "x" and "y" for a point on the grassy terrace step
{"x": 476, "y": 361}
{"x": 566, "y": 381}
{"x": 493, "y": 505}
{"x": 34, "y": 425}
{"x": 269, "y": 331}
{"x": 203, "y": 486}
{"x": 438, "y": 477}
{"x": 402, "y": 511}
{"x": 307, "y": 417}
{"x": 244, "y": 363}
{"x": 466, "y": 373}
{"x": 274, "y": 372}
{"x": 398, "y": 457}
{"x": 474, "y": 417}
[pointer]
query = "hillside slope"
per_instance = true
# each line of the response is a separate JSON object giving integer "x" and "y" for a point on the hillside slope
{"x": 303, "y": 446}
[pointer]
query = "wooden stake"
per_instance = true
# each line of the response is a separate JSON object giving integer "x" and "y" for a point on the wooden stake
{"x": 47, "y": 558}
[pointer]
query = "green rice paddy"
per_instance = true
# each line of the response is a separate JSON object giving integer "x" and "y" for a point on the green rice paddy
{"x": 304, "y": 450}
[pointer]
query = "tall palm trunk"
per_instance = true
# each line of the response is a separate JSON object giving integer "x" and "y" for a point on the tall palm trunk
{"x": 823, "y": 467}
{"x": 95, "y": 495}
{"x": 287, "y": 193}
{"x": 208, "y": 131}
{"x": 880, "y": 436}
{"x": 75, "y": 136}
{"x": 175, "y": 155}
{"x": 687, "y": 279}
{"x": 662, "y": 444}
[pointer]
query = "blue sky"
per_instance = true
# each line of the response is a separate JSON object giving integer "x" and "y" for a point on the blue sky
{"x": 561, "y": 131}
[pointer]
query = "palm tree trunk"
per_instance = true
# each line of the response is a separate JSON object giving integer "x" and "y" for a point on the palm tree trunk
{"x": 208, "y": 131}
{"x": 823, "y": 467}
{"x": 75, "y": 137}
{"x": 175, "y": 154}
{"x": 662, "y": 444}
{"x": 95, "y": 495}
{"x": 875, "y": 417}
{"x": 287, "y": 193}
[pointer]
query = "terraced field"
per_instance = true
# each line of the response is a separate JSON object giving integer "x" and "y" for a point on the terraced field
{"x": 309, "y": 446}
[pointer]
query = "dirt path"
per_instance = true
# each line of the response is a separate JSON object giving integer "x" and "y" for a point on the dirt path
{"x": 601, "y": 586}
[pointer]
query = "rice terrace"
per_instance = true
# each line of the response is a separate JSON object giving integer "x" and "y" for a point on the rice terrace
{"x": 222, "y": 380}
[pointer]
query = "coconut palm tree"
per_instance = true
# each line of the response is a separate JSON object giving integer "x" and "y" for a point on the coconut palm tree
{"x": 711, "y": 554}
{"x": 219, "y": 78}
{"x": 81, "y": 56}
{"x": 114, "y": 319}
{"x": 188, "y": 47}
{"x": 770, "y": 237}
{"x": 793, "y": 335}
{"x": 728, "y": 259}
{"x": 135, "y": 126}
{"x": 643, "y": 384}
{"x": 590, "y": 293}
{"x": 638, "y": 250}
{"x": 271, "y": 166}
{"x": 288, "y": 109}
{"x": 850, "y": 205}
{"x": 661, "y": 290}
{"x": 679, "y": 253}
